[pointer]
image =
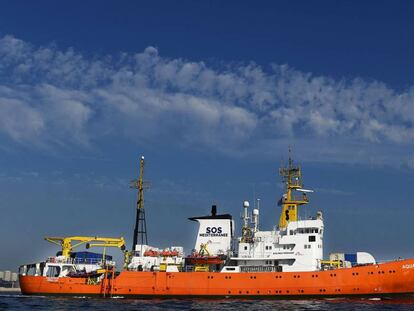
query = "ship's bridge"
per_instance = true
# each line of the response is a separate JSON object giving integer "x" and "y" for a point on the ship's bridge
{"x": 309, "y": 226}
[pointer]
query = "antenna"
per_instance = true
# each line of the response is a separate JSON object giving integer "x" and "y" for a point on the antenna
{"x": 140, "y": 230}
{"x": 290, "y": 157}
{"x": 254, "y": 195}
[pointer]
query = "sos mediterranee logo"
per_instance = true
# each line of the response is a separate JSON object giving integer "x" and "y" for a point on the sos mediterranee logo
{"x": 214, "y": 232}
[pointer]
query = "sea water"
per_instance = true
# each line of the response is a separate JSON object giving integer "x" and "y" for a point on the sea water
{"x": 15, "y": 301}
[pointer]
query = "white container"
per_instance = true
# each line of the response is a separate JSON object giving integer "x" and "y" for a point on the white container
{"x": 7, "y": 276}
{"x": 14, "y": 277}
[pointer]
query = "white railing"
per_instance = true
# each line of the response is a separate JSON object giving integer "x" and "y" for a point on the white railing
{"x": 80, "y": 261}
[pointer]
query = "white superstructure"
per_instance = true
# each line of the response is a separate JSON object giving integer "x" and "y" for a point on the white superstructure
{"x": 149, "y": 258}
{"x": 62, "y": 266}
{"x": 298, "y": 247}
{"x": 294, "y": 245}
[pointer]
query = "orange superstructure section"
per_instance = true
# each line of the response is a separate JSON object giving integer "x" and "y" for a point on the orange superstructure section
{"x": 391, "y": 278}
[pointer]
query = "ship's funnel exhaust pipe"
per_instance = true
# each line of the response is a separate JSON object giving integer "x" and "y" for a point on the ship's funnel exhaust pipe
{"x": 213, "y": 210}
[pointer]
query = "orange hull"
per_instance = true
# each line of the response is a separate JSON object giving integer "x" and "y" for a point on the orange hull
{"x": 391, "y": 278}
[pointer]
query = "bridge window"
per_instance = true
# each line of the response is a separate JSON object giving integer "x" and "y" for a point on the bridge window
{"x": 312, "y": 238}
{"x": 31, "y": 269}
{"x": 53, "y": 271}
{"x": 307, "y": 231}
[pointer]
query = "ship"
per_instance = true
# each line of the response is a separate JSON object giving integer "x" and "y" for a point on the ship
{"x": 285, "y": 262}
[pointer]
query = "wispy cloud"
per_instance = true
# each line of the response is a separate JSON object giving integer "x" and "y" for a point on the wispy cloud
{"x": 50, "y": 97}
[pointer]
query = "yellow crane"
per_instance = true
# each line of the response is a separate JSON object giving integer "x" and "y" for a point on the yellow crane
{"x": 90, "y": 241}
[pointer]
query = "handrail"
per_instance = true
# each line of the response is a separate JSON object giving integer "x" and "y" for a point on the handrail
{"x": 77, "y": 261}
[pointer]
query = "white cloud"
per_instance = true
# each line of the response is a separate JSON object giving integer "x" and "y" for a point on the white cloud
{"x": 19, "y": 121}
{"x": 54, "y": 97}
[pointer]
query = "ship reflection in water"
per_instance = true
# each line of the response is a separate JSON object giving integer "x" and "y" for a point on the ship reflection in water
{"x": 20, "y": 302}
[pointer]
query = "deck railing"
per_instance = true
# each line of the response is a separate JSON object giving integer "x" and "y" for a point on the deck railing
{"x": 81, "y": 261}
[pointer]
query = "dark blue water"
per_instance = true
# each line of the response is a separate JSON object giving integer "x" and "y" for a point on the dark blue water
{"x": 20, "y": 302}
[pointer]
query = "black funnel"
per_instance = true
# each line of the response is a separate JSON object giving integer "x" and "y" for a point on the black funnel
{"x": 213, "y": 210}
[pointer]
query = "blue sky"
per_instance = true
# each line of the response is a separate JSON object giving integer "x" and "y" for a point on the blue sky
{"x": 212, "y": 94}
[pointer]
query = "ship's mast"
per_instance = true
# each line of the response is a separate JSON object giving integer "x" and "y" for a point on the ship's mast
{"x": 290, "y": 201}
{"x": 140, "y": 230}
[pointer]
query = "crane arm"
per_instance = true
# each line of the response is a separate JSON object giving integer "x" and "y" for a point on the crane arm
{"x": 67, "y": 246}
{"x": 54, "y": 240}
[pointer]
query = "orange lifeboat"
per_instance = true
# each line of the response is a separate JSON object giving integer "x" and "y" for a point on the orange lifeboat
{"x": 169, "y": 253}
{"x": 204, "y": 260}
{"x": 151, "y": 253}
{"x": 203, "y": 257}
